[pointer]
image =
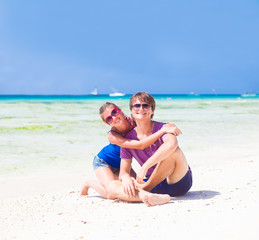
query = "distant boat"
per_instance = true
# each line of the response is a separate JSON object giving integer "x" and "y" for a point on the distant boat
{"x": 116, "y": 93}
{"x": 94, "y": 92}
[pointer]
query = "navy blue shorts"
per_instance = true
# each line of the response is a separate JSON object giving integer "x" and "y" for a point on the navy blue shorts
{"x": 177, "y": 189}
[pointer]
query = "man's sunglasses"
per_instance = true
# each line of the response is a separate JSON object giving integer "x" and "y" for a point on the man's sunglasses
{"x": 114, "y": 113}
{"x": 144, "y": 106}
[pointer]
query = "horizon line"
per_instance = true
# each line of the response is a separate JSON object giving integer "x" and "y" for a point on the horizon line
{"x": 107, "y": 94}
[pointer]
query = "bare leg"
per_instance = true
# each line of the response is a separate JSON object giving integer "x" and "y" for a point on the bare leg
{"x": 172, "y": 168}
{"x": 105, "y": 177}
{"x": 94, "y": 184}
{"x": 116, "y": 190}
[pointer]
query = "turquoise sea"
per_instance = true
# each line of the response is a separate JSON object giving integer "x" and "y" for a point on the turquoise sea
{"x": 63, "y": 133}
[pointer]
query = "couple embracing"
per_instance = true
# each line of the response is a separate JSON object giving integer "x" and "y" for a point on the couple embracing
{"x": 164, "y": 171}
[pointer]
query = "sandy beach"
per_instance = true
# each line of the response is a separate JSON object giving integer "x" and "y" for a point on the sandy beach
{"x": 222, "y": 204}
{"x": 46, "y": 152}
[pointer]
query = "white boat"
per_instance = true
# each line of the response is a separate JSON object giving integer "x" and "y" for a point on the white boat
{"x": 116, "y": 93}
{"x": 94, "y": 92}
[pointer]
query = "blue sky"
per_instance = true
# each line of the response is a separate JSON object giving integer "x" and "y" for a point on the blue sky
{"x": 166, "y": 46}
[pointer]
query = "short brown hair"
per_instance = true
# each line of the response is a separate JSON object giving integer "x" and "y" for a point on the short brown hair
{"x": 143, "y": 97}
{"x": 107, "y": 105}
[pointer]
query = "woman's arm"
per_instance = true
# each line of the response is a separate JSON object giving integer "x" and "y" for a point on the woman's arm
{"x": 119, "y": 140}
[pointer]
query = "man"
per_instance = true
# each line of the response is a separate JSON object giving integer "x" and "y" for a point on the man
{"x": 163, "y": 163}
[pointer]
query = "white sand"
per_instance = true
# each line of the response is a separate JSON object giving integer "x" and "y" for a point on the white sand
{"x": 222, "y": 204}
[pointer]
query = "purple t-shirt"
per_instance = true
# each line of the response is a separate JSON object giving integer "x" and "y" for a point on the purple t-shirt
{"x": 143, "y": 155}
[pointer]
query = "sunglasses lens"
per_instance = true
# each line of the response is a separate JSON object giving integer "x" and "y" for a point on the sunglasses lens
{"x": 145, "y": 106}
{"x": 115, "y": 112}
{"x": 137, "y": 105}
{"x": 108, "y": 120}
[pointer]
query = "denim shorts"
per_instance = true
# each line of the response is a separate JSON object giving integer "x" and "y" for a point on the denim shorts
{"x": 98, "y": 162}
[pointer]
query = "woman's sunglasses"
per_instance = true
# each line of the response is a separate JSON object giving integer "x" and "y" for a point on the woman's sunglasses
{"x": 144, "y": 106}
{"x": 114, "y": 113}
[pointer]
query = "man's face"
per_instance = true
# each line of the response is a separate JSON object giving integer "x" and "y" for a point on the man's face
{"x": 141, "y": 110}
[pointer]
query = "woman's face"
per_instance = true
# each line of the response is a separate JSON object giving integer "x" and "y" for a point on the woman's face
{"x": 113, "y": 116}
{"x": 141, "y": 110}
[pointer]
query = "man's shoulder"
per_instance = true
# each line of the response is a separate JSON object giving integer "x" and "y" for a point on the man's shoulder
{"x": 132, "y": 134}
{"x": 158, "y": 125}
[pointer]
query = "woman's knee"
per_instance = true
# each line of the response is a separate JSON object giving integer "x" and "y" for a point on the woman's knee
{"x": 112, "y": 189}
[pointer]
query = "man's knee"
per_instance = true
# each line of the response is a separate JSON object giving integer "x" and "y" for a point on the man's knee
{"x": 177, "y": 157}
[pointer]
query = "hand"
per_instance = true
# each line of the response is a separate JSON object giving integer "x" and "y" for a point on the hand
{"x": 141, "y": 174}
{"x": 139, "y": 186}
{"x": 128, "y": 187}
{"x": 171, "y": 128}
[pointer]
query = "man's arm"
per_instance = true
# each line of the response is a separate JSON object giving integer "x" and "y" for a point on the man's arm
{"x": 127, "y": 182}
{"x": 164, "y": 151}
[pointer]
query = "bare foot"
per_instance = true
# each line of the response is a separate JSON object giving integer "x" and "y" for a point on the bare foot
{"x": 84, "y": 190}
{"x": 152, "y": 199}
{"x": 157, "y": 199}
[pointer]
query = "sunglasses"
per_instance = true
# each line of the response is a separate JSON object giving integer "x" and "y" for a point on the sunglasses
{"x": 114, "y": 113}
{"x": 145, "y": 106}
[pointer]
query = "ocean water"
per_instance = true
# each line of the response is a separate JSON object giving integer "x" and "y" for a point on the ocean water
{"x": 39, "y": 134}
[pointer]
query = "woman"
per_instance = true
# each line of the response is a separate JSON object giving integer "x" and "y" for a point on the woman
{"x": 107, "y": 162}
